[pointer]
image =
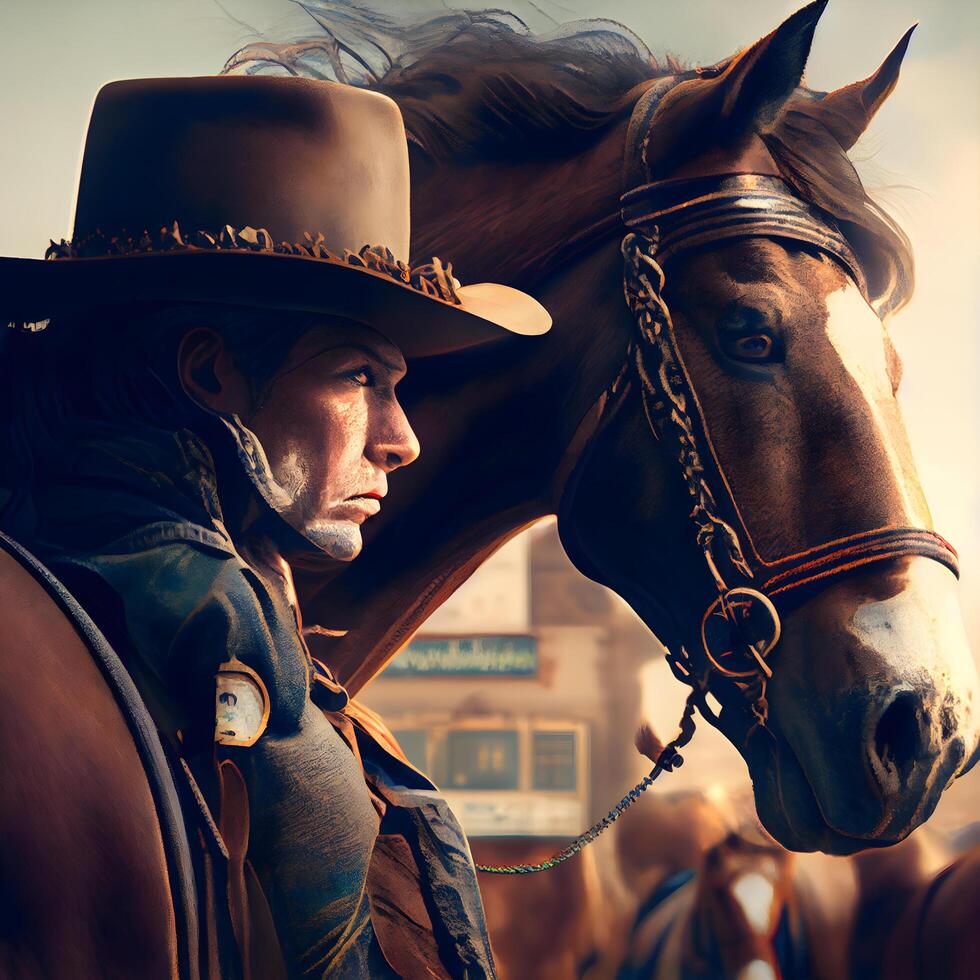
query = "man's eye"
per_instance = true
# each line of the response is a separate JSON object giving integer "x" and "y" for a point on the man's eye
{"x": 363, "y": 376}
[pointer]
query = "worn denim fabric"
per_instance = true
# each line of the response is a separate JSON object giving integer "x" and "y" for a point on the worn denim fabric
{"x": 132, "y": 522}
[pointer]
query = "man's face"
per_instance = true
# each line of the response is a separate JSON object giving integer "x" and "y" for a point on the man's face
{"x": 332, "y": 430}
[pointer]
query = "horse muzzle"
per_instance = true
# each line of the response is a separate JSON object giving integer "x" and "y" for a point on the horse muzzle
{"x": 881, "y": 662}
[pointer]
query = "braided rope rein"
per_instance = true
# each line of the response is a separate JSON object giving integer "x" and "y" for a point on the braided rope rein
{"x": 665, "y": 411}
{"x": 668, "y": 760}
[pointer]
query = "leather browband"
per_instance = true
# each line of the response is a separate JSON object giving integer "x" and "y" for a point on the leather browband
{"x": 693, "y": 212}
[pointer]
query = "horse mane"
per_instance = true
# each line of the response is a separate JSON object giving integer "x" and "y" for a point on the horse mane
{"x": 480, "y": 86}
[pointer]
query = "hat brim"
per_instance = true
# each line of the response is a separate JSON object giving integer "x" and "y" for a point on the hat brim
{"x": 420, "y": 325}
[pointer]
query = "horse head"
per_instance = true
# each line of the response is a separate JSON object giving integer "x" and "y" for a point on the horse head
{"x": 762, "y": 394}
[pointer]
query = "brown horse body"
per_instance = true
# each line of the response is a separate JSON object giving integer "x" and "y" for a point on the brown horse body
{"x": 85, "y": 884}
{"x": 543, "y": 926}
{"x": 937, "y": 936}
{"x": 917, "y": 914}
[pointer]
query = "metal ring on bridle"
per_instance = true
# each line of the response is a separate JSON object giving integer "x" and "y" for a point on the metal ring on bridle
{"x": 740, "y": 619}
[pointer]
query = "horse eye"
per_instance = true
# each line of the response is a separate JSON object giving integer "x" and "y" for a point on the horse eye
{"x": 757, "y": 347}
{"x": 746, "y": 334}
{"x": 751, "y": 347}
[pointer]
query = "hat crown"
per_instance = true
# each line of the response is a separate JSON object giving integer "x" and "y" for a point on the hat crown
{"x": 289, "y": 155}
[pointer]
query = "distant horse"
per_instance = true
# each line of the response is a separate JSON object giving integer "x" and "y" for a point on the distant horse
{"x": 773, "y": 383}
{"x": 735, "y": 918}
{"x": 749, "y": 910}
{"x": 918, "y": 912}
{"x": 937, "y": 936}
{"x": 665, "y": 839}
{"x": 666, "y": 833}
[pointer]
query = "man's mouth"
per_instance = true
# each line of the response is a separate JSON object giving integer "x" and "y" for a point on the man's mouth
{"x": 365, "y": 504}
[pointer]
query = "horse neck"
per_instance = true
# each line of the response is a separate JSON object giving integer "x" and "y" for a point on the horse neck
{"x": 494, "y": 425}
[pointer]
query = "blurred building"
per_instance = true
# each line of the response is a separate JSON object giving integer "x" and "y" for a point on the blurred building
{"x": 522, "y": 695}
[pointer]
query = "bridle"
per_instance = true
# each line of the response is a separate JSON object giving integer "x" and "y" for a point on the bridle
{"x": 741, "y": 623}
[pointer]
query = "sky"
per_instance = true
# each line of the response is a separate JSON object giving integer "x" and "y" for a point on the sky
{"x": 921, "y": 156}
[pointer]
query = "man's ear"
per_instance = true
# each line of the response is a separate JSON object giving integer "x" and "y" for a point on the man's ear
{"x": 209, "y": 375}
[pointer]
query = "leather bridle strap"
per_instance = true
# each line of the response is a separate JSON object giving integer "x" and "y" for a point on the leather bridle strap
{"x": 847, "y": 554}
{"x": 692, "y": 213}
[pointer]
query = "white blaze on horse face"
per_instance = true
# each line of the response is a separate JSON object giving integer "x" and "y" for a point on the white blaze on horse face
{"x": 857, "y": 336}
{"x": 755, "y": 894}
{"x": 757, "y": 970}
{"x": 920, "y": 632}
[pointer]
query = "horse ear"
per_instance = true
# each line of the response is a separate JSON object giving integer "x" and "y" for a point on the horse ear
{"x": 748, "y": 94}
{"x": 847, "y": 112}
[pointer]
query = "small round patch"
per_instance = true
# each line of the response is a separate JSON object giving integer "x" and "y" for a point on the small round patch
{"x": 241, "y": 704}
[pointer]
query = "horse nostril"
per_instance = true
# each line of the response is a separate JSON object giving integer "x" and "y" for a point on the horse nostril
{"x": 898, "y": 736}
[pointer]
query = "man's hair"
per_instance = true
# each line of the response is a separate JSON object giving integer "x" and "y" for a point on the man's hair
{"x": 120, "y": 366}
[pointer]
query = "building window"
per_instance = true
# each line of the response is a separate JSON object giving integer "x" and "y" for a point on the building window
{"x": 483, "y": 760}
{"x": 414, "y": 743}
{"x": 553, "y": 760}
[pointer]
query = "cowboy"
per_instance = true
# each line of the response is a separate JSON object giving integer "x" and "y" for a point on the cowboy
{"x": 202, "y": 386}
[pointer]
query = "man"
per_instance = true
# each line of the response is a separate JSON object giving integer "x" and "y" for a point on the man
{"x": 202, "y": 383}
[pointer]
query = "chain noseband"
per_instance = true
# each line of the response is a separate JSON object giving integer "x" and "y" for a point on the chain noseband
{"x": 741, "y": 624}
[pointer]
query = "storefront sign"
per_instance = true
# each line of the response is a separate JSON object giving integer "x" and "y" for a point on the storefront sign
{"x": 504, "y": 656}
{"x": 517, "y": 814}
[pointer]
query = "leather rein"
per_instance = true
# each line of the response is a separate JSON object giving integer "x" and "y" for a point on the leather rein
{"x": 741, "y": 623}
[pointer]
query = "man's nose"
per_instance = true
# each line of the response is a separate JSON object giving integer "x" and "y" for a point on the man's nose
{"x": 397, "y": 444}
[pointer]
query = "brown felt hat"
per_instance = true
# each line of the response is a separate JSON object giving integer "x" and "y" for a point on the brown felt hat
{"x": 279, "y": 193}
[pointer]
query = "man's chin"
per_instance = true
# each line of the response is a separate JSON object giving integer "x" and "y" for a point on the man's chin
{"x": 340, "y": 540}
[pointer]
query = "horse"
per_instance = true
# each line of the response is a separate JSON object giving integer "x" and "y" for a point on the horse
{"x": 667, "y": 833}
{"x": 668, "y": 839}
{"x": 750, "y": 377}
{"x": 746, "y": 909}
{"x": 734, "y": 916}
{"x": 542, "y": 927}
{"x": 89, "y": 886}
{"x": 936, "y": 936}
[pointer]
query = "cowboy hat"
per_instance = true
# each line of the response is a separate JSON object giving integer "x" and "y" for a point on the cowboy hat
{"x": 278, "y": 193}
